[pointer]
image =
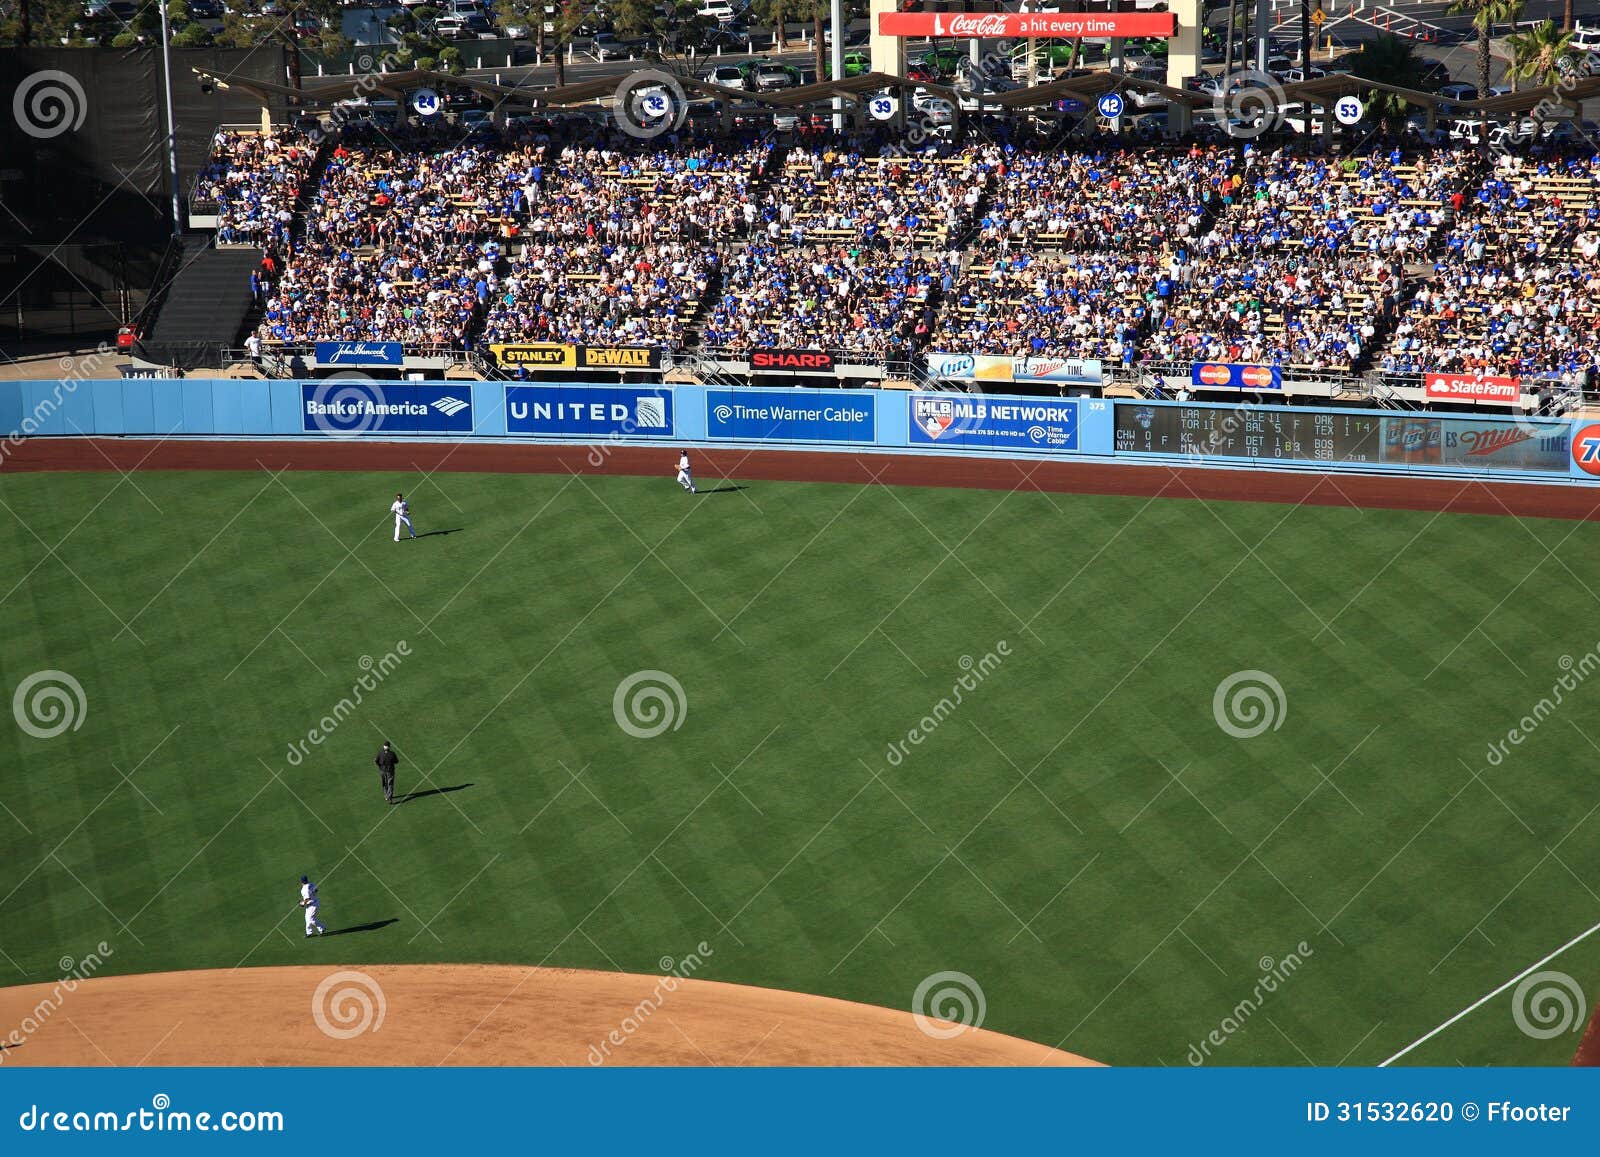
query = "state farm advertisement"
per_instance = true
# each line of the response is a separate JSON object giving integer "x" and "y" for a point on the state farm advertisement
{"x": 1472, "y": 388}
{"x": 1007, "y": 25}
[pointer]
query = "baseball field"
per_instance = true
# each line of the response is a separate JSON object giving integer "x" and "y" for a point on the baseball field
{"x": 1164, "y": 781}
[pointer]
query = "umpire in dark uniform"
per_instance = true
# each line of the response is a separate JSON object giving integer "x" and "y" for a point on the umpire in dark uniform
{"x": 387, "y": 761}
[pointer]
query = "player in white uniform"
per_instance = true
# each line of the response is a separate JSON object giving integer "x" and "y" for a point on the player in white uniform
{"x": 308, "y": 901}
{"x": 402, "y": 514}
{"x": 683, "y": 472}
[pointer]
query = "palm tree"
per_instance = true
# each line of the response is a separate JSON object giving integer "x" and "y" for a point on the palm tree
{"x": 1393, "y": 60}
{"x": 1537, "y": 55}
{"x": 1485, "y": 15}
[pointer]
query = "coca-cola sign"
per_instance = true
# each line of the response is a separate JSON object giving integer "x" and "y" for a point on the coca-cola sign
{"x": 1007, "y": 25}
{"x": 1472, "y": 388}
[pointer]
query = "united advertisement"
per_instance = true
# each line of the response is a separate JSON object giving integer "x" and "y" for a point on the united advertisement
{"x": 977, "y": 421}
{"x": 589, "y": 411}
{"x": 792, "y": 415}
{"x": 353, "y": 407}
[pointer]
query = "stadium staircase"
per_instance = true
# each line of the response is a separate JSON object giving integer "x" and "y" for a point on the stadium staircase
{"x": 206, "y": 304}
{"x": 297, "y": 227}
{"x": 1412, "y": 277}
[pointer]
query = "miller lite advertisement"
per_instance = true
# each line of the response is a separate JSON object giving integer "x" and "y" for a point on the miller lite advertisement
{"x": 1477, "y": 444}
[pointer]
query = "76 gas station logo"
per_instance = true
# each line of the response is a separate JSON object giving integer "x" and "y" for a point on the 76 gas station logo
{"x": 1586, "y": 449}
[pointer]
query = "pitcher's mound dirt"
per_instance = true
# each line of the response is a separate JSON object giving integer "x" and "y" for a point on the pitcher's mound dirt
{"x": 471, "y": 1015}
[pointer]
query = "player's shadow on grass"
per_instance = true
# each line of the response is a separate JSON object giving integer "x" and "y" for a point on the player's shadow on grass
{"x": 731, "y": 489}
{"x": 411, "y": 795}
{"x": 431, "y": 533}
{"x": 370, "y": 927}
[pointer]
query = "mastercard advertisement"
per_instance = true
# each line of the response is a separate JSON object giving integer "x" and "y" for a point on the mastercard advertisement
{"x": 1234, "y": 376}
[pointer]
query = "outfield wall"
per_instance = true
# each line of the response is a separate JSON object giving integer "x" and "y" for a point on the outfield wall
{"x": 1100, "y": 429}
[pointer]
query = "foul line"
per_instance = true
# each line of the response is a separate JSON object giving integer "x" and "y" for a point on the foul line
{"x": 1578, "y": 939}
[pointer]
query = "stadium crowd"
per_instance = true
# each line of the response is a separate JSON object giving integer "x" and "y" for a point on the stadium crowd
{"x": 1076, "y": 249}
{"x": 254, "y": 180}
{"x": 1515, "y": 290}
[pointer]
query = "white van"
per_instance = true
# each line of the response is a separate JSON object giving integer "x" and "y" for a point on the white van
{"x": 1585, "y": 39}
{"x": 719, "y": 10}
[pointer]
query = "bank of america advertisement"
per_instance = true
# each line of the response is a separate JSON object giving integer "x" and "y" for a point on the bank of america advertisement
{"x": 1039, "y": 425}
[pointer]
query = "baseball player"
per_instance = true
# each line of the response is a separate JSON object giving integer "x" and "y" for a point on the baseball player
{"x": 386, "y": 762}
{"x": 402, "y": 514}
{"x": 683, "y": 472}
{"x": 308, "y": 901}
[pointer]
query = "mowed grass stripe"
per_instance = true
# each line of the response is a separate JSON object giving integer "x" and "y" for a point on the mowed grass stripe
{"x": 849, "y": 620}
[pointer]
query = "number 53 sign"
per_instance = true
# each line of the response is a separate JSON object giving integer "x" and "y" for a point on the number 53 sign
{"x": 1348, "y": 110}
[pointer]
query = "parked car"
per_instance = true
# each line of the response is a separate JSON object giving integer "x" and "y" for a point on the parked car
{"x": 205, "y": 10}
{"x": 608, "y": 46}
{"x": 855, "y": 64}
{"x": 727, "y": 74}
{"x": 942, "y": 61}
{"x": 933, "y": 110}
{"x": 1565, "y": 132}
{"x": 772, "y": 77}
{"x": 732, "y": 35}
{"x": 971, "y": 96}
{"x": 1585, "y": 39}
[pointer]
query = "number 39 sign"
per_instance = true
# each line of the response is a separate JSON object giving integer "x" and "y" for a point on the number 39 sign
{"x": 1348, "y": 110}
{"x": 883, "y": 108}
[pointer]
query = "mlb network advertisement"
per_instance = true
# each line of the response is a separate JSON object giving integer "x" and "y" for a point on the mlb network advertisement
{"x": 589, "y": 412}
{"x": 352, "y": 407}
{"x": 792, "y": 415}
{"x": 965, "y": 421}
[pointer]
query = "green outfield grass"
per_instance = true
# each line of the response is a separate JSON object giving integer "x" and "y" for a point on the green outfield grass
{"x": 1078, "y": 834}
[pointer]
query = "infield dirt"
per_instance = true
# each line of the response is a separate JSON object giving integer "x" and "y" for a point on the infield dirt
{"x": 475, "y": 1015}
